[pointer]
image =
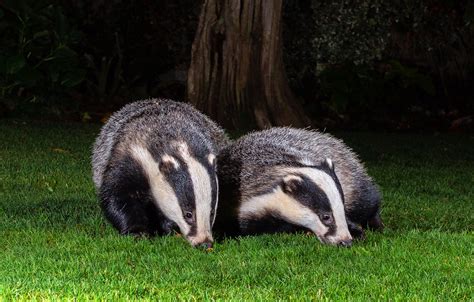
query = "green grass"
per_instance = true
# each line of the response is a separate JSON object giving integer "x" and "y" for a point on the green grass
{"x": 54, "y": 242}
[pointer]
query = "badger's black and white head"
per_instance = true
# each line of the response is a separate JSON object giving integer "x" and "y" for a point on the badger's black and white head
{"x": 308, "y": 196}
{"x": 184, "y": 187}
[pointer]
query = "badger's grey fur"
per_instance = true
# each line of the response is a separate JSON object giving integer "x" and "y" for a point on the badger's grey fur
{"x": 265, "y": 162}
{"x": 154, "y": 169}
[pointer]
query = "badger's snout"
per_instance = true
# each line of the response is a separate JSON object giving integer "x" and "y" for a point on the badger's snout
{"x": 205, "y": 245}
{"x": 204, "y": 241}
{"x": 345, "y": 243}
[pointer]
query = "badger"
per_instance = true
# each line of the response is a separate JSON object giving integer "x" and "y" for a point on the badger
{"x": 287, "y": 180}
{"x": 154, "y": 170}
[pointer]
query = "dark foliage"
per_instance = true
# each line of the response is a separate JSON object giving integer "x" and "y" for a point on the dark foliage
{"x": 398, "y": 64}
{"x": 84, "y": 58}
{"x": 379, "y": 64}
{"x": 38, "y": 62}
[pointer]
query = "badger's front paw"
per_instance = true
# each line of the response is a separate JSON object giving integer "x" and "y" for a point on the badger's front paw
{"x": 169, "y": 227}
{"x": 137, "y": 232}
{"x": 357, "y": 232}
{"x": 376, "y": 223}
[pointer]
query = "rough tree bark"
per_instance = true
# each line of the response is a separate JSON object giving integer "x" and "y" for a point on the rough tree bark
{"x": 237, "y": 75}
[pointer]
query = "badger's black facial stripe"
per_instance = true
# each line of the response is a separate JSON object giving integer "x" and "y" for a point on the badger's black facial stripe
{"x": 311, "y": 195}
{"x": 180, "y": 182}
{"x": 324, "y": 166}
{"x": 202, "y": 156}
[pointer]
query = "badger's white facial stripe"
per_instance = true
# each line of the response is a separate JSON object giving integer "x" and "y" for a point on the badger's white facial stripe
{"x": 164, "y": 196}
{"x": 203, "y": 195}
{"x": 287, "y": 208}
{"x": 170, "y": 159}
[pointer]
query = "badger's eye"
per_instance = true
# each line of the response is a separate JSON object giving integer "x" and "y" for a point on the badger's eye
{"x": 327, "y": 218}
{"x": 188, "y": 215}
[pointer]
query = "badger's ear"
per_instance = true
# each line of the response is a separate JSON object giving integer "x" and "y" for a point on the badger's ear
{"x": 168, "y": 164}
{"x": 290, "y": 183}
{"x": 212, "y": 160}
{"x": 328, "y": 162}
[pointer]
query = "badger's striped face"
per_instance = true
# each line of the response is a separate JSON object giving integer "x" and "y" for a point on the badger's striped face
{"x": 309, "y": 197}
{"x": 184, "y": 187}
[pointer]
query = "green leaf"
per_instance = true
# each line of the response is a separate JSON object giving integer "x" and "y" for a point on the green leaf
{"x": 63, "y": 59}
{"x": 73, "y": 78}
{"x": 14, "y": 64}
{"x": 43, "y": 33}
{"x": 64, "y": 52}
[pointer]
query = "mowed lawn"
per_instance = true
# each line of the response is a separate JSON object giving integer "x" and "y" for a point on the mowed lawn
{"x": 54, "y": 242}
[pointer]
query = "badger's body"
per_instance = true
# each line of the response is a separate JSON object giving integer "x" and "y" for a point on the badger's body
{"x": 154, "y": 170}
{"x": 269, "y": 178}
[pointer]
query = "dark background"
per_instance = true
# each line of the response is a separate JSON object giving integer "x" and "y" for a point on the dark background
{"x": 378, "y": 65}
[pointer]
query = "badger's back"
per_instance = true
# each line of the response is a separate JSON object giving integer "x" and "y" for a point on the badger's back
{"x": 156, "y": 122}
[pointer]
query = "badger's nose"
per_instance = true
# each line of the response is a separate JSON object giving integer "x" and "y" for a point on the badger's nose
{"x": 345, "y": 243}
{"x": 205, "y": 245}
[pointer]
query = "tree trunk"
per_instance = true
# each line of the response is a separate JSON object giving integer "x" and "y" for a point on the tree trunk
{"x": 237, "y": 74}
